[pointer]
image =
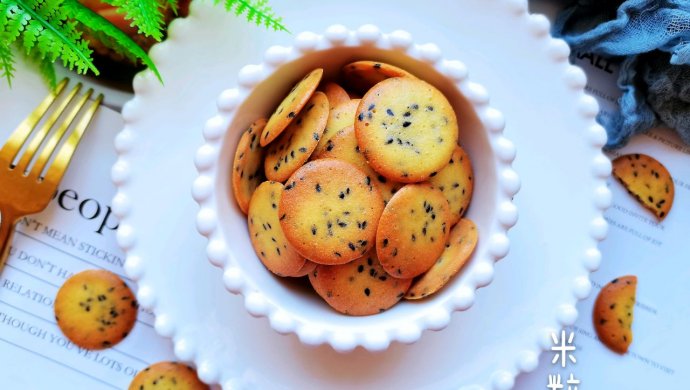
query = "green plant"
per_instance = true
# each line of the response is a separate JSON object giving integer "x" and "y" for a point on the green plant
{"x": 50, "y": 30}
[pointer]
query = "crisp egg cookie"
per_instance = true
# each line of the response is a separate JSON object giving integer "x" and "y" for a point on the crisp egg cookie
{"x": 167, "y": 376}
{"x": 461, "y": 243}
{"x": 248, "y": 165}
{"x": 336, "y": 94}
{"x": 268, "y": 239}
{"x": 329, "y": 211}
{"x": 455, "y": 181}
{"x": 297, "y": 143}
{"x": 647, "y": 180}
{"x": 343, "y": 146}
{"x": 291, "y": 106}
{"x": 362, "y": 75}
{"x": 340, "y": 116}
{"x": 406, "y": 129}
{"x": 613, "y": 313}
{"x": 413, "y": 230}
{"x": 95, "y": 309}
{"x": 360, "y": 287}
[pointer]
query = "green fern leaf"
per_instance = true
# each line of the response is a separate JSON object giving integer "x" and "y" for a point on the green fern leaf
{"x": 102, "y": 30}
{"x": 146, "y": 15}
{"x": 258, "y": 12}
{"x": 6, "y": 63}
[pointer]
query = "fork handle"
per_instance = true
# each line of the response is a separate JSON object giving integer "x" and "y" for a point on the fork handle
{"x": 7, "y": 221}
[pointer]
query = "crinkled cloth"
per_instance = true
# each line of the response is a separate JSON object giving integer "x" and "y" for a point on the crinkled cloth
{"x": 652, "y": 39}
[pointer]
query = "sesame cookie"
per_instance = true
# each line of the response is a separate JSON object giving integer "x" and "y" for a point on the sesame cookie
{"x": 299, "y": 140}
{"x": 461, "y": 243}
{"x": 413, "y": 230}
{"x": 268, "y": 240}
{"x": 343, "y": 146}
{"x": 331, "y": 211}
{"x": 647, "y": 180}
{"x": 336, "y": 94}
{"x": 248, "y": 165}
{"x": 95, "y": 309}
{"x": 455, "y": 181}
{"x": 362, "y": 75}
{"x": 406, "y": 129}
{"x": 167, "y": 376}
{"x": 360, "y": 287}
{"x": 613, "y": 313}
{"x": 291, "y": 106}
{"x": 340, "y": 116}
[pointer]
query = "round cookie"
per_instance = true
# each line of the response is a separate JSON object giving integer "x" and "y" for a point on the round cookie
{"x": 413, "y": 230}
{"x": 362, "y": 75}
{"x": 340, "y": 116}
{"x": 406, "y": 129}
{"x": 331, "y": 211}
{"x": 291, "y": 106}
{"x": 248, "y": 165}
{"x": 293, "y": 148}
{"x": 95, "y": 309}
{"x": 613, "y": 313}
{"x": 461, "y": 243}
{"x": 268, "y": 239}
{"x": 343, "y": 146}
{"x": 336, "y": 94}
{"x": 455, "y": 181}
{"x": 167, "y": 376}
{"x": 360, "y": 287}
{"x": 647, "y": 180}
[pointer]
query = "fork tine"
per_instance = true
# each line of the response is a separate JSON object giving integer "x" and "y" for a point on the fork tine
{"x": 41, "y": 134}
{"x": 52, "y": 142}
{"x": 64, "y": 154}
{"x": 9, "y": 151}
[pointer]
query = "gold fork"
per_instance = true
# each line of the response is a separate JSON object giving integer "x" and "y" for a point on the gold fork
{"x": 29, "y": 179}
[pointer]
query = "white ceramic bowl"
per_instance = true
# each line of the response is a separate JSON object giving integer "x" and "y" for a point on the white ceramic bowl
{"x": 289, "y": 306}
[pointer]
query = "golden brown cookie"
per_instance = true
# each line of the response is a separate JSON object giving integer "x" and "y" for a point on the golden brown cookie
{"x": 406, "y": 129}
{"x": 289, "y": 152}
{"x": 268, "y": 239}
{"x": 343, "y": 146}
{"x": 461, "y": 243}
{"x": 455, "y": 181}
{"x": 248, "y": 165}
{"x": 613, "y": 313}
{"x": 362, "y": 75}
{"x": 291, "y": 106}
{"x": 336, "y": 94}
{"x": 360, "y": 287}
{"x": 340, "y": 117}
{"x": 329, "y": 211}
{"x": 95, "y": 309}
{"x": 167, "y": 376}
{"x": 647, "y": 180}
{"x": 413, "y": 230}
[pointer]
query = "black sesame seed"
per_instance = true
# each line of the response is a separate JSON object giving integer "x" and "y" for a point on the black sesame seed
{"x": 367, "y": 292}
{"x": 406, "y": 124}
{"x": 390, "y": 112}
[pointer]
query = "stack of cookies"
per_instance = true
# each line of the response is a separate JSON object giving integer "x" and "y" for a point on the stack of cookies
{"x": 362, "y": 188}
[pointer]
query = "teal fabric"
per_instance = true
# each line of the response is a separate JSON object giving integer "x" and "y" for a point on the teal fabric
{"x": 652, "y": 41}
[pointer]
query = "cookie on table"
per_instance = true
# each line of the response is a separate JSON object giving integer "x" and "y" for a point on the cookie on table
{"x": 340, "y": 116}
{"x": 329, "y": 211}
{"x": 647, "y": 180}
{"x": 461, "y": 243}
{"x": 95, "y": 309}
{"x": 248, "y": 165}
{"x": 362, "y": 75}
{"x": 336, "y": 94}
{"x": 298, "y": 141}
{"x": 406, "y": 129}
{"x": 268, "y": 239}
{"x": 291, "y": 106}
{"x": 413, "y": 230}
{"x": 455, "y": 181}
{"x": 343, "y": 146}
{"x": 167, "y": 376}
{"x": 613, "y": 313}
{"x": 360, "y": 287}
